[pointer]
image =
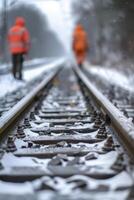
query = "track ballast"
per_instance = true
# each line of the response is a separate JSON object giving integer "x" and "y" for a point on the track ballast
{"x": 64, "y": 146}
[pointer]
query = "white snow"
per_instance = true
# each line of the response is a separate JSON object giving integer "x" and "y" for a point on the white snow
{"x": 110, "y": 75}
{"x": 9, "y": 84}
{"x": 15, "y": 188}
{"x": 27, "y": 63}
{"x": 124, "y": 123}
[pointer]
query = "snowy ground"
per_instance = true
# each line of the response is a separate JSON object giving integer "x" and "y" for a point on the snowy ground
{"x": 111, "y": 76}
{"x": 6, "y": 68}
{"x": 9, "y": 84}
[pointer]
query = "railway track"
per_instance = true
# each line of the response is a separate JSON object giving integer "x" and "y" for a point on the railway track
{"x": 65, "y": 140}
{"x": 120, "y": 97}
{"x": 12, "y": 98}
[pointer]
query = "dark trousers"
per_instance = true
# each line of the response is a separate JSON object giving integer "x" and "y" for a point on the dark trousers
{"x": 17, "y": 65}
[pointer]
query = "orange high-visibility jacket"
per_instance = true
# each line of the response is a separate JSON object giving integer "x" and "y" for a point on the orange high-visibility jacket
{"x": 80, "y": 43}
{"x": 80, "y": 39}
{"x": 18, "y": 37}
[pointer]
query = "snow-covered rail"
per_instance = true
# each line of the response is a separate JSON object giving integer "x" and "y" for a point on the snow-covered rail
{"x": 124, "y": 127}
{"x": 7, "y": 119}
{"x": 64, "y": 147}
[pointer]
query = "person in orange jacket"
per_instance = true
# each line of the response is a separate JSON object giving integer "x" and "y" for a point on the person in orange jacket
{"x": 80, "y": 44}
{"x": 19, "y": 43}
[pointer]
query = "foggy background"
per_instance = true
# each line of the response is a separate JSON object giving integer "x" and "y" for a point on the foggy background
{"x": 109, "y": 25}
{"x": 110, "y": 28}
{"x": 44, "y": 42}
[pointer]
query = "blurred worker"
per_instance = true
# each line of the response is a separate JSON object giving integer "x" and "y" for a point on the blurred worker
{"x": 19, "y": 42}
{"x": 80, "y": 44}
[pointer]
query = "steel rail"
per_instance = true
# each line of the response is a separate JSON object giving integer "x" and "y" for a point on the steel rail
{"x": 124, "y": 127}
{"x": 7, "y": 119}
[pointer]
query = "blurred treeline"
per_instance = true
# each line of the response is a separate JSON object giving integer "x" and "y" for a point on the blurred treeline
{"x": 44, "y": 43}
{"x": 110, "y": 27}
